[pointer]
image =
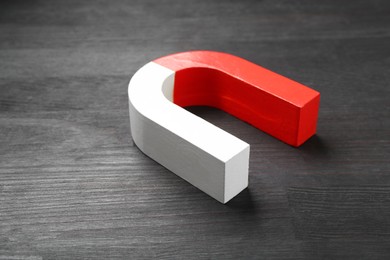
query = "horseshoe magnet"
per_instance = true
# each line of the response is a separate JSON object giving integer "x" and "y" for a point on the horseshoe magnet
{"x": 206, "y": 156}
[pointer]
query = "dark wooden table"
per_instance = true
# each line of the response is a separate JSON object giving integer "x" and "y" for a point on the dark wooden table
{"x": 74, "y": 186}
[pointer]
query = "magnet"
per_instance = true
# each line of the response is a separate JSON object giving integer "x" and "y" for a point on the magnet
{"x": 206, "y": 156}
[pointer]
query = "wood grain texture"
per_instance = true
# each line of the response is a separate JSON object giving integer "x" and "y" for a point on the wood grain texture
{"x": 74, "y": 186}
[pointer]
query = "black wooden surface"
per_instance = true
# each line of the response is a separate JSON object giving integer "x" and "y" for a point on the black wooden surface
{"x": 74, "y": 186}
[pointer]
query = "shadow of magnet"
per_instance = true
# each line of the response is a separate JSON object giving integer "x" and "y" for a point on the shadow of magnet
{"x": 206, "y": 156}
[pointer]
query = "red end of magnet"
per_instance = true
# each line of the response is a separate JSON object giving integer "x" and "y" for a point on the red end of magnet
{"x": 273, "y": 103}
